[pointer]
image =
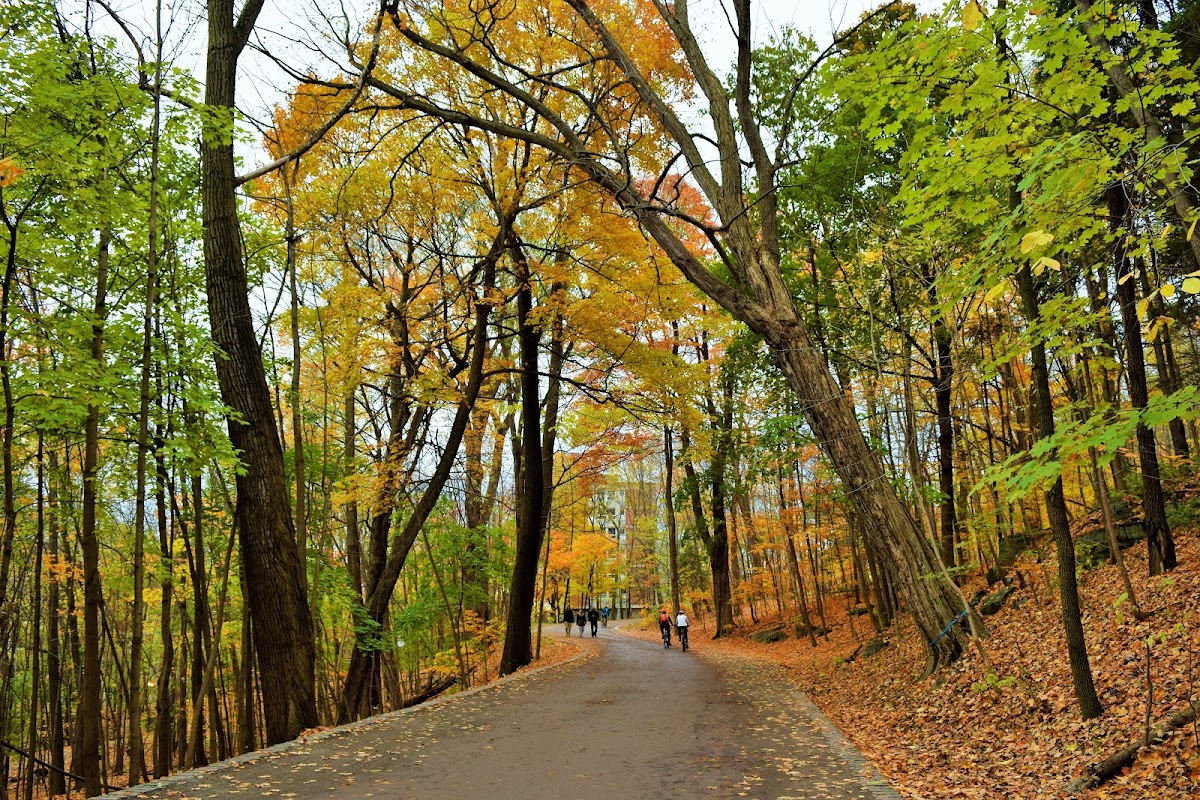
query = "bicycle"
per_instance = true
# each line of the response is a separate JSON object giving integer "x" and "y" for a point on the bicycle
{"x": 683, "y": 640}
{"x": 666, "y": 634}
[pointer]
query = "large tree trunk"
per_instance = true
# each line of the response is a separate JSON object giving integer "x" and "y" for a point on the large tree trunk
{"x": 278, "y": 592}
{"x": 517, "y": 640}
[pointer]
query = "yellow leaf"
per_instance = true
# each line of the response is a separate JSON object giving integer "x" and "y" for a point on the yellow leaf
{"x": 1045, "y": 262}
{"x": 1191, "y": 230}
{"x": 1167, "y": 290}
{"x": 1191, "y": 285}
{"x": 1035, "y": 239}
{"x": 995, "y": 291}
{"x": 1143, "y": 305}
{"x": 972, "y": 15}
{"x": 1152, "y": 331}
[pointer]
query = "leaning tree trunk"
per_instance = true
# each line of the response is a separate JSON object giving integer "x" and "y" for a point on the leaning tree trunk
{"x": 282, "y": 623}
{"x": 756, "y": 292}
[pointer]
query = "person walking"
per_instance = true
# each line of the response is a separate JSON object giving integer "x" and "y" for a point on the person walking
{"x": 681, "y": 626}
{"x": 664, "y": 627}
{"x": 594, "y": 619}
{"x": 580, "y": 619}
{"x": 569, "y": 618}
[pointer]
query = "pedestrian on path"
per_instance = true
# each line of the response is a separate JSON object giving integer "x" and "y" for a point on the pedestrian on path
{"x": 580, "y": 618}
{"x": 594, "y": 618}
{"x": 681, "y": 626}
{"x": 569, "y": 618}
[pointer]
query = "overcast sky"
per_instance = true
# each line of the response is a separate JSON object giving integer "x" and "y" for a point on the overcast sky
{"x": 296, "y": 29}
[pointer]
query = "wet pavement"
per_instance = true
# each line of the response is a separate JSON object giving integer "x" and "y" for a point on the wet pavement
{"x": 628, "y": 720}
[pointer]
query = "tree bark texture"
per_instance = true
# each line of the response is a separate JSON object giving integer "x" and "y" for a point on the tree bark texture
{"x": 517, "y": 642}
{"x": 274, "y": 575}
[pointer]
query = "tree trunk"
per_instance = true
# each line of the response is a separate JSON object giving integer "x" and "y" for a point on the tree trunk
{"x": 943, "y": 383}
{"x": 35, "y": 623}
{"x": 1056, "y": 506}
{"x": 785, "y": 514}
{"x": 301, "y": 504}
{"x": 385, "y": 567}
{"x": 669, "y": 505}
{"x": 1160, "y": 546}
{"x": 89, "y": 696}
{"x": 756, "y": 292}
{"x": 163, "y": 705}
{"x": 275, "y": 576}
{"x": 517, "y": 643}
{"x": 353, "y": 538}
{"x": 56, "y": 783}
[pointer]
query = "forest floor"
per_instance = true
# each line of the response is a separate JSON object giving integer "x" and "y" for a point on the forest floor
{"x": 1017, "y": 734}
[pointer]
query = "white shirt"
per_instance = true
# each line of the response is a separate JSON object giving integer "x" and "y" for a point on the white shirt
{"x": 681, "y": 621}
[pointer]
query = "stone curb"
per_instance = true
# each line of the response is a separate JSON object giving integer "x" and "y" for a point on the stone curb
{"x": 144, "y": 790}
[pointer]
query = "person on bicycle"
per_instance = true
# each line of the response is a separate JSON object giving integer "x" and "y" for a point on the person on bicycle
{"x": 664, "y": 627}
{"x": 604, "y": 617}
{"x": 594, "y": 619}
{"x": 681, "y": 626}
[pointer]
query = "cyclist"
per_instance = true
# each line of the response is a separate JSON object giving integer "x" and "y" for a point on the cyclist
{"x": 664, "y": 627}
{"x": 681, "y": 626}
{"x": 604, "y": 617}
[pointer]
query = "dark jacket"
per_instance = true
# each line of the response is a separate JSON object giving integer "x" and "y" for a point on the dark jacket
{"x": 593, "y": 615}
{"x": 569, "y": 616}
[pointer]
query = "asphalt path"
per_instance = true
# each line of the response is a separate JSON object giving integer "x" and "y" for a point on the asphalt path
{"x": 628, "y": 720}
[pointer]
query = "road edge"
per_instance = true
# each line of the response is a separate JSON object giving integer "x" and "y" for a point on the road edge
{"x": 167, "y": 782}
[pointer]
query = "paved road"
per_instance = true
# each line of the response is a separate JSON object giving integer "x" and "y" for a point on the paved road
{"x": 630, "y": 721}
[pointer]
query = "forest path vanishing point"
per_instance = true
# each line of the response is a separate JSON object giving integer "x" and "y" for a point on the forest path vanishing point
{"x": 630, "y": 720}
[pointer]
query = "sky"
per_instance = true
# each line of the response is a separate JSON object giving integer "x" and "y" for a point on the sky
{"x": 294, "y": 27}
